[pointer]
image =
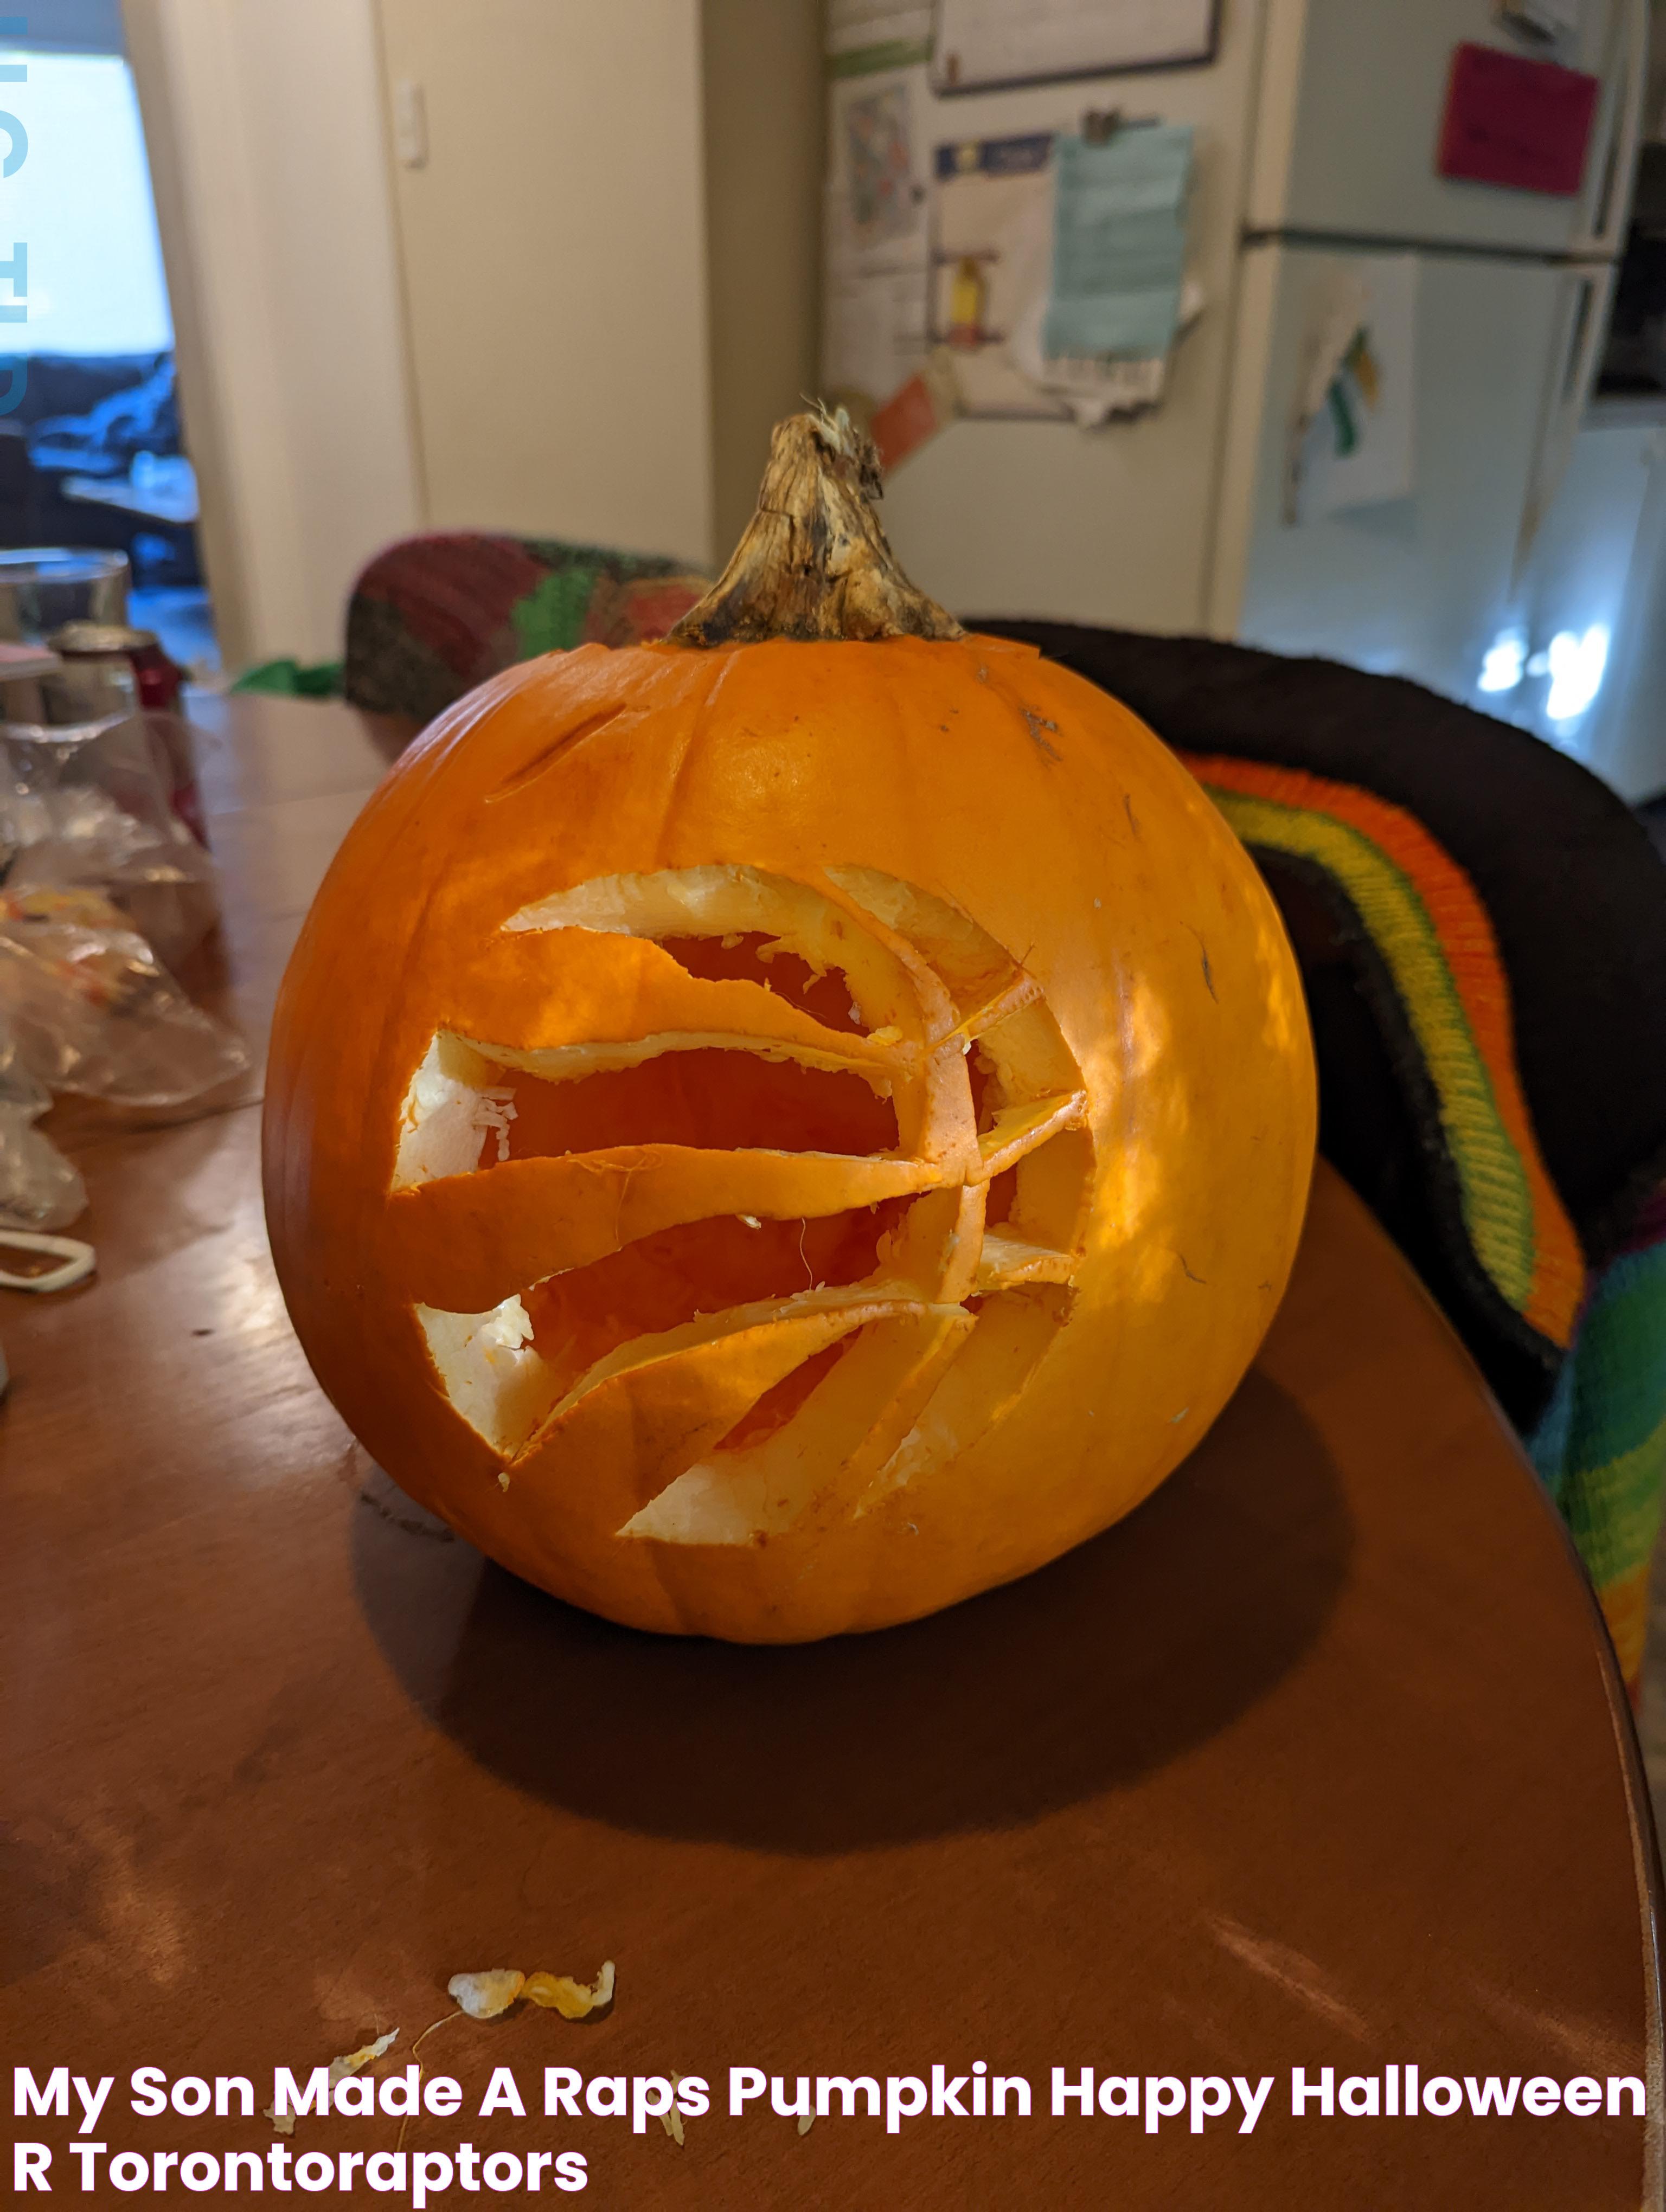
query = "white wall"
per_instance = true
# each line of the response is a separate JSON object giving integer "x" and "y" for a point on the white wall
{"x": 264, "y": 126}
{"x": 765, "y": 106}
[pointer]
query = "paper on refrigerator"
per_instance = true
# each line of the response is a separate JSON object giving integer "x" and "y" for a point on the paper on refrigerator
{"x": 1096, "y": 388}
{"x": 866, "y": 34}
{"x": 1037, "y": 276}
{"x": 877, "y": 217}
{"x": 985, "y": 44}
{"x": 1352, "y": 434}
{"x": 1059, "y": 284}
{"x": 992, "y": 248}
{"x": 1119, "y": 242}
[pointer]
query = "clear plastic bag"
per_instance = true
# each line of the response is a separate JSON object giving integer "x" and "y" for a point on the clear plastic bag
{"x": 99, "y": 812}
{"x": 39, "y": 1187}
{"x": 92, "y": 1010}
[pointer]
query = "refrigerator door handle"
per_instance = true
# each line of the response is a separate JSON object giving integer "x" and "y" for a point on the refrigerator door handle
{"x": 1585, "y": 324}
{"x": 1613, "y": 157}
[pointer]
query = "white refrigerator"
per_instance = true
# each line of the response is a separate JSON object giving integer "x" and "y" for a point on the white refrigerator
{"x": 1315, "y": 128}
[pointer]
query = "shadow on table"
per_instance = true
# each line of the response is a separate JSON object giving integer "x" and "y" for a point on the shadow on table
{"x": 1109, "y": 1663}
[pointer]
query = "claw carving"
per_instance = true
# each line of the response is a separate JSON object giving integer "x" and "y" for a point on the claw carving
{"x": 628, "y": 1304}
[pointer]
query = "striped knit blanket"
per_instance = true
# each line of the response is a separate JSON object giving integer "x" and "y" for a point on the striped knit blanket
{"x": 1600, "y": 1444}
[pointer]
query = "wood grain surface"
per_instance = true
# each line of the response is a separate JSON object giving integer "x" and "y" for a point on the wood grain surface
{"x": 1317, "y": 1759}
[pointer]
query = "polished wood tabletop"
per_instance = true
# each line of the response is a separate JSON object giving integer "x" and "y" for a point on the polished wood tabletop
{"x": 1319, "y": 1760}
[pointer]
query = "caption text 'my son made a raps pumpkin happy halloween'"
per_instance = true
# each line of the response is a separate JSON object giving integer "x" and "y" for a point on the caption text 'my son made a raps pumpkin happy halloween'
{"x": 772, "y": 1131}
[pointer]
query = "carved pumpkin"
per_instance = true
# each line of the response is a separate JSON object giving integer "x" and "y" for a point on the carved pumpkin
{"x": 773, "y": 1131}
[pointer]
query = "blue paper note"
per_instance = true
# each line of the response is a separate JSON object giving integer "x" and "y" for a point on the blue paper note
{"x": 1119, "y": 241}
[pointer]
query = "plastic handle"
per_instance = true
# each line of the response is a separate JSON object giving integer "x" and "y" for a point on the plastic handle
{"x": 1587, "y": 330}
{"x": 79, "y": 1261}
{"x": 1615, "y": 159}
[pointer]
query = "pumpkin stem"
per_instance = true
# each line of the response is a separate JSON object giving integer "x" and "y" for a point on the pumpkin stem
{"x": 814, "y": 562}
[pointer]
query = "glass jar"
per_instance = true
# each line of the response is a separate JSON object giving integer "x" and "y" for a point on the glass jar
{"x": 43, "y": 587}
{"x": 159, "y": 684}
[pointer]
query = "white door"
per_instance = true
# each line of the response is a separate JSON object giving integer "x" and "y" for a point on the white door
{"x": 1423, "y": 583}
{"x": 1354, "y": 92}
{"x": 549, "y": 195}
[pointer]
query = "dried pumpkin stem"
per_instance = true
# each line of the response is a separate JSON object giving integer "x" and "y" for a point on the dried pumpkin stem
{"x": 814, "y": 562}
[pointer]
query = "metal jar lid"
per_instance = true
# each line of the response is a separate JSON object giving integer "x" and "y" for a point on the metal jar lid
{"x": 85, "y": 641}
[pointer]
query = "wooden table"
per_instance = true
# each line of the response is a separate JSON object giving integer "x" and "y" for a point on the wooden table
{"x": 1318, "y": 1760}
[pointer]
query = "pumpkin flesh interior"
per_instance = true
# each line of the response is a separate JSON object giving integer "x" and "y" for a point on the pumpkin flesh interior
{"x": 723, "y": 1101}
{"x": 751, "y": 956}
{"x": 662, "y": 1281}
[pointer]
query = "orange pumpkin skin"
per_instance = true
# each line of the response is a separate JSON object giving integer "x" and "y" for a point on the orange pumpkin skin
{"x": 939, "y": 1431}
